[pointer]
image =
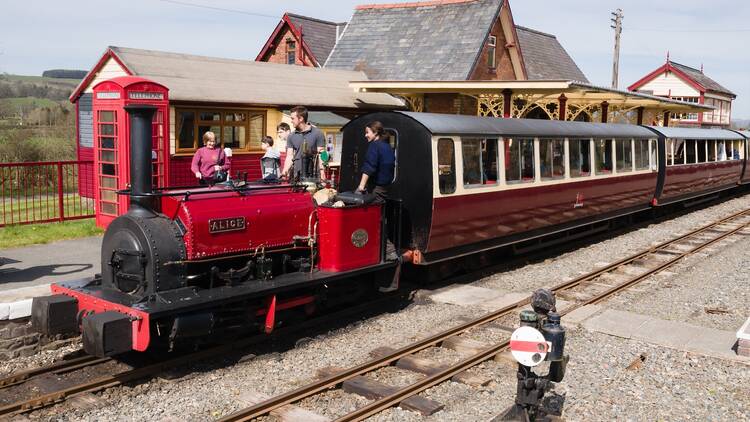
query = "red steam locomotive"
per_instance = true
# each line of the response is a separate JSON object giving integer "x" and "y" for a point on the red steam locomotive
{"x": 189, "y": 263}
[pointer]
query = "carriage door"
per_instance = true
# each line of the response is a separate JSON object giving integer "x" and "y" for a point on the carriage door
{"x": 112, "y": 142}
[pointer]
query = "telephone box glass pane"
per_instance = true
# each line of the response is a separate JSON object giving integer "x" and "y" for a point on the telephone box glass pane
{"x": 108, "y": 195}
{"x": 108, "y": 169}
{"x": 106, "y": 129}
{"x": 108, "y": 156}
{"x": 108, "y": 208}
{"x": 108, "y": 143}
{"x": 108, "y": 182}
{"x": 106, "y": 116}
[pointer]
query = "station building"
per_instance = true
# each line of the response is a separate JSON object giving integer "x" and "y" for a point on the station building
{"x": 680, "y": 82}
{"x": 467, "y": 57}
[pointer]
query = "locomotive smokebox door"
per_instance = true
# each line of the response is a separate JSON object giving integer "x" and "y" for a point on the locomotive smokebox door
{"x": 349, "y": 237}
{"x": 107, "y": 334}
{"x": 54, "y": 314}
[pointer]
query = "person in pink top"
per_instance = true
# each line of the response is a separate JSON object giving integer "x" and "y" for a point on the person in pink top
{"x": 209, "y": 160}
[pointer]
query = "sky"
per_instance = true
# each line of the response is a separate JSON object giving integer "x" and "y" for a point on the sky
{"x": 36, "y": 35}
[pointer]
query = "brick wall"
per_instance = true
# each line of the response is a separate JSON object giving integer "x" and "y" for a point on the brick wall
{"x": 278, "y": 53}
{"x": 450, "y": 104}
{"x": 504, "y": 67}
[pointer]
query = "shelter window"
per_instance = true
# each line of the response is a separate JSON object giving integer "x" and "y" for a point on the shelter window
{"x": 552, "y": 159}
{"x": 641, "y": 149}
{"x": 446, "y": 165}
{"x": 480, "y": 161}
{"x": 690, "y": 151}
{"x": 491, "y": 51}
{"x": 519, "y": 160}
{"x": 603, "y": 156}
{"x": 240, "y": 130}
{"x": 736, "y": 150}
{"x": 624, "y": 155}
{"x": 580, "y": 157}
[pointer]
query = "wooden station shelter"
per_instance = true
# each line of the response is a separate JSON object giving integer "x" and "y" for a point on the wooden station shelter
{"x": 239, "y": 100}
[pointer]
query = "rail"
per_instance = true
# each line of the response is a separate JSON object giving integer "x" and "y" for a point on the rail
{"x": 46, "y": 191}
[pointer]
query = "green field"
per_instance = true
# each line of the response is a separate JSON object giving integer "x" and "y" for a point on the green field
{"x": 17, "y": 236}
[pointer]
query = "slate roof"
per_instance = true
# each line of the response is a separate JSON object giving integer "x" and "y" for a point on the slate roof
{"x": 212, "y": 79}
{"x": 437, "y": 40}
{"x": 700, "y": 78}
{"x": 318, "y": 34}
{"x": 545, "y": 58}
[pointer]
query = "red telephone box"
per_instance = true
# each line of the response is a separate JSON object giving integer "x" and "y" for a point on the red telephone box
{"x": 112, "y": 140}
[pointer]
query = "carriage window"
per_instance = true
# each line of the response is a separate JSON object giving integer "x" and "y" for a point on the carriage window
{"x": 711, "y": 150}
{"x": 624, "y": 155}
{"x": 471, "y": 149}
{"x": 721, "y": 150}
{"x": 603, "y": 156}
{"x": 519, "y": 160}
{"x": 690, "y": 151}
{"x": 391, "y": 138}
{"x": 641, "y": 153}
{"x": 669, "y": 145}
{"x": 552, "y": 159}
{"x": 580, "y": 157}
{"x": 737, "y": 152}
{"x": 446, "y": 166}
{"x": 702, "y": 151}
{"x": 679, "y": 151}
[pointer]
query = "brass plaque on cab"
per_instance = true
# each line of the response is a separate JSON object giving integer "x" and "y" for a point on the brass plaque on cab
{"x": 221, "y": 225}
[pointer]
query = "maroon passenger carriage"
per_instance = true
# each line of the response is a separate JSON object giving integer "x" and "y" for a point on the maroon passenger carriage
{"x": 191, "y": 263}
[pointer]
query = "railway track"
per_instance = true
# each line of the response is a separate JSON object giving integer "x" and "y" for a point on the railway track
{"x": 118, "y": 374}
{"x": 587, "y": 289}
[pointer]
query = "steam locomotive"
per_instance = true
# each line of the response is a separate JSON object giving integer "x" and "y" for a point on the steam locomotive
{"x": 191, "y": 263}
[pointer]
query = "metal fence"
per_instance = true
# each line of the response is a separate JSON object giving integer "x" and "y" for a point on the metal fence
{"x": 42, "y": 192}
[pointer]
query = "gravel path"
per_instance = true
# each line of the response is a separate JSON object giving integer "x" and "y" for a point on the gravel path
{"x": 671, "y": 385}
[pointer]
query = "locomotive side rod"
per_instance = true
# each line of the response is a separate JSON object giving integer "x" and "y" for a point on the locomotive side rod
{"x": 264, "y": 408}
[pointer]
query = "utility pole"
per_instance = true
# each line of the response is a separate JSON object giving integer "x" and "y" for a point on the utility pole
{"x": 617, "y": 20}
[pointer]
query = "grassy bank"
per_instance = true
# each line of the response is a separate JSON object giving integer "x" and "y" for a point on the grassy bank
{"x": 16, "y": 236}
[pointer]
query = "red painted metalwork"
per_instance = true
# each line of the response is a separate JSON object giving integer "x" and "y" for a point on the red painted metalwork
{"x": 465, "y": 219}
{"x": 91, "y": 304}
{"x": 43, "y": 192}
{"x": 270, "y": 315}
{"x": 112, "y": 143}
{"x": 349, "y": 237}
{"x": 272, "y": 218}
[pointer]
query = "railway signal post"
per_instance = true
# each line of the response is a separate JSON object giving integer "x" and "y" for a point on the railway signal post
{"x": 539, "y": 338}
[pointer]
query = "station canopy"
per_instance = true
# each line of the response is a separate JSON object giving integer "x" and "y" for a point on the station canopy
{"x": 575, "y": 92}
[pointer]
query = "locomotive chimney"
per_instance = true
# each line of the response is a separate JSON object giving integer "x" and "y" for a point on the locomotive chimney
{"x": 141, "y": 116}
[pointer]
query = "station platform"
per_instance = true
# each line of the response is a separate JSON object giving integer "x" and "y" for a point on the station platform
{"x": 27, "y": 272}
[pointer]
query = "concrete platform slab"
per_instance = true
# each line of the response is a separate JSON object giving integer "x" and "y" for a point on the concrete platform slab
{"x": 500, "y": 302}
{"x": 581, "y": 314}
{"x": 465, "y": 295}
{"x": 713, "y": 342}
{"x": 665, "y": 333}
{"x": 671, "y": 334}
{"x": 617, "y": 323}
